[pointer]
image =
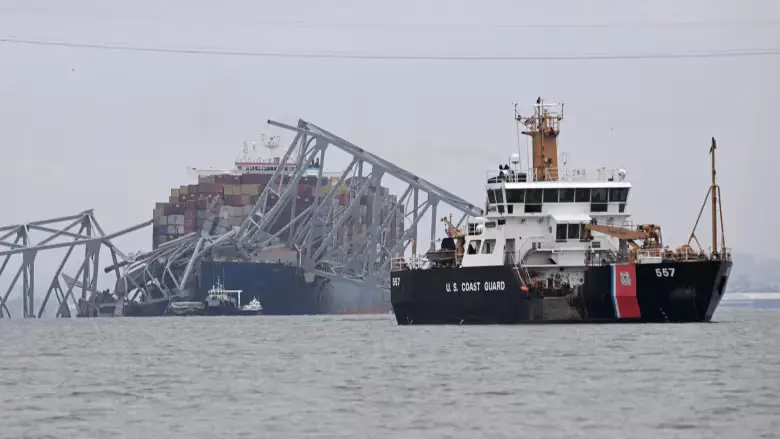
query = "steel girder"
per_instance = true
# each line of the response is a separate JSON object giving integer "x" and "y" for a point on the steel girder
{"x": 313, "y": 231}
{"x": 17, "y": 240}
{"x": 172, "y": 268}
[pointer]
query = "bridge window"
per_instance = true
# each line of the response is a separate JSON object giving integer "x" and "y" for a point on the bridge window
{"x": 560, "y": 233}
{"x": 515, "y": 195}
{"x": 574, "y": 231}
{"x": 533, "y": 196}
{"x": 622, "y": 207}
{"x": 491, "y": 196}
{"x": 598, "y": 195}
{"x": 533, "y": 208}
{"x": 581, "y": 195}
{"x": 533, "y": 201}
{"x": 566, "y": 195}
{"x": 551, "y": 195}
{"x": 488, "y": 246}
{"x": 490, "y": 225}
{"x": 598, "y": 200}
{"x": 618, "y": 194}
{"x": 473, "y": 247}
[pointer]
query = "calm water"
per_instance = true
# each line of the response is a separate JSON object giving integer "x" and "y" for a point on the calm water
{"x": 366, "y": 377}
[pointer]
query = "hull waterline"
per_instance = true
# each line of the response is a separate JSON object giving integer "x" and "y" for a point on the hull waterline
{"x": 623, "y": 293}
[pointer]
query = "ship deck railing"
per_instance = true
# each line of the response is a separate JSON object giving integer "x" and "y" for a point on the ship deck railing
{"x": 414, "y": 263}
{"x": 555, "y": 174}
{"x": 682, "y": 254}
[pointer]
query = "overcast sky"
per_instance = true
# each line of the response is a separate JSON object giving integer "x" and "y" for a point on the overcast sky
{"x": 115, "y": 130}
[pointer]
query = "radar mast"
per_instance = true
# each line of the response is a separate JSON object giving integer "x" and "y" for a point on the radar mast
{"x": 543, "y": 128}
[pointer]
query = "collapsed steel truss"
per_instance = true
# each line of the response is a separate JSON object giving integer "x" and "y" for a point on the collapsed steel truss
{"x": 171, "y": 269}
{"x": 18, "y": 238}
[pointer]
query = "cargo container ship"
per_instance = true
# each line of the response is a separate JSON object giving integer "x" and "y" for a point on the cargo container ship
{"x": 221, "y": 201}
{"x": 556, "y": 246}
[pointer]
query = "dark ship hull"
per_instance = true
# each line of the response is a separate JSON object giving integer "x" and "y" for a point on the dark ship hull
{"x": 141, "y": 309}
{"x": 281, "y": 288}
{"x": 652, "y": 292}
{"x": 228, "y": 311}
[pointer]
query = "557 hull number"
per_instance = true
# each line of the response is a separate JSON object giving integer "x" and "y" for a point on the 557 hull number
{"x": 664, "y": 272}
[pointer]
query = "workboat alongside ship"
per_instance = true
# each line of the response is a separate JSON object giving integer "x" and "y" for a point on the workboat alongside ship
{"x": 556, "y": 246}
{"x": 219, "y": 302}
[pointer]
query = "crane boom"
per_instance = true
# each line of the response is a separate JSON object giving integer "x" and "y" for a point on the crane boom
{"x": 617, "y": 232}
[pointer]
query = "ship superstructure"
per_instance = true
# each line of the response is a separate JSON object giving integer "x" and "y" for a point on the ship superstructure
{"x": 558, "y": 244}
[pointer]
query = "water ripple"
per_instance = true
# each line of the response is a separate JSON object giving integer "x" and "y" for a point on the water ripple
{"x": 352, "y": 377}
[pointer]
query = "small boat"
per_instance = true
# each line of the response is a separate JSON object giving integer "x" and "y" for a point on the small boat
{"x": 222, "y": 302}
{"x": 254, "y": 307}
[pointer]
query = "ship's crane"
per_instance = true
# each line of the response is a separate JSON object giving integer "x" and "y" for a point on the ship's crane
{"x": 649, "y": 234}
{"x": 455, "y": 233}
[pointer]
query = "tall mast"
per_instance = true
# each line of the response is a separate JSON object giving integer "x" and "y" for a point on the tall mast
{"x": 717, "y": 211}
{"x": 713, "y": 191}
{"x": 543, "y": 128}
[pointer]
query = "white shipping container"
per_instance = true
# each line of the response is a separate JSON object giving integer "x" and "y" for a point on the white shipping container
{"x": 176, "y": 219}
{"x": 180, "y": 229}
{"x": 172, "y": 230}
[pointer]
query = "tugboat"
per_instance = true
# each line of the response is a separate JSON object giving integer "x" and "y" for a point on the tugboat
{"x": 556, "y": 245}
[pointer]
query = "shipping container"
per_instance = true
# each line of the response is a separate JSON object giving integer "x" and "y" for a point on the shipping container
{"x": 250, "y": 189}
{"x": 207, "y": 179}
{"x": 261, "y": 179}
{"x": 232, "y": 189}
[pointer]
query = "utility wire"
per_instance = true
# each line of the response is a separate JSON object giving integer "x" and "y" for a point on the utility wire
{"x": 359, "y": 56}
{"x": 461, "y": 25}
{"x": 185, "y": 18}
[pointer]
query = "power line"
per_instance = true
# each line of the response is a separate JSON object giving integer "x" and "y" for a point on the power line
{"x": 456, "y": 25}
{"x": 212, "y": 19}
{"x": 359, "y": 56}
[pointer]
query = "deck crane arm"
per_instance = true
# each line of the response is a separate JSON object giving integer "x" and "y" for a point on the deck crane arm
{"x": 649, "y": 234}
{"x": 451, "y": 230}
{"x": 616, "y": 232}
{"x": 456, "y": 234}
